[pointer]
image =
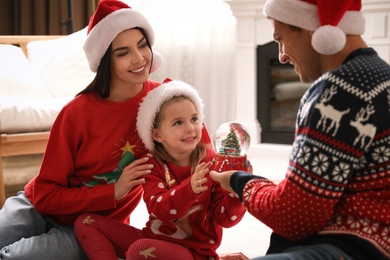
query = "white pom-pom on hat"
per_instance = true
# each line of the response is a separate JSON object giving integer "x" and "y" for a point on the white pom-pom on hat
{"x": 157, "y": 61}
{"x": 330, "y": 20}
{"x": 328, "y": 40}
{"x": 153, "y": 101}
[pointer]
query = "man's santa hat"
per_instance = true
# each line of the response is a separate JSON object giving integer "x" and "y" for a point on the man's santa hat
{"x": 153, "y": 101}
{"x": 331, "y": 20}
{"x": 111, "y": 18}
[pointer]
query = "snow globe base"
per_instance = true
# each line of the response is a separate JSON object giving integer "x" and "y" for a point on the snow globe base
{"x": 223, "y": 163}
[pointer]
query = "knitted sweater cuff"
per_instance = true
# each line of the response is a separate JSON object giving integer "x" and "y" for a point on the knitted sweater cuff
{"x": 238, "y": 181}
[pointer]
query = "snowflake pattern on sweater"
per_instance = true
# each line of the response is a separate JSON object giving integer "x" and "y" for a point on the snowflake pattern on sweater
{"x": 338, "y": 180}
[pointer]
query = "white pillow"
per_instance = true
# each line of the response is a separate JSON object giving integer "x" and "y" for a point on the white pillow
{"x": 17, "y": 76}
{"x": 22, "y": 114}
{"x": 62, "y": 63}
{"x": 290, "y": 90}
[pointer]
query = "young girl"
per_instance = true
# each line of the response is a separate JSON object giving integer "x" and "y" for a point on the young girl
{"x": 187, "y": 210}
{"x": 92, "y": 161}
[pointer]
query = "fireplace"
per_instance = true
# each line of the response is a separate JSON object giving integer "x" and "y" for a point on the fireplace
{"x": 279, "y": 91}
{"x": 253, "y": 29}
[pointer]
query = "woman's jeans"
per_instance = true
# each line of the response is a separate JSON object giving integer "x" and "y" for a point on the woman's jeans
{"x": 313, "y": 252}
{"x": 26, "y": 234}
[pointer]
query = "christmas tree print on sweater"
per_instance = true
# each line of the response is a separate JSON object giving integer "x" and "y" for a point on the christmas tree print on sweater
{"x": 113, "y": 176}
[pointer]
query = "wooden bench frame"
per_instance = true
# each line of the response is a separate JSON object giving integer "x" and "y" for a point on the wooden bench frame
{"x": 21, "y": 143}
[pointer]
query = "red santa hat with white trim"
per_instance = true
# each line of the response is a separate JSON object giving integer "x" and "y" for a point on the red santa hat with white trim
{"x": 153, "y": 101}
{"x": 111, "y": 18}
{"x": 331, "y": 20}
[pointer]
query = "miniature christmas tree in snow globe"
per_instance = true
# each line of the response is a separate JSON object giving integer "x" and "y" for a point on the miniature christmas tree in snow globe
{"x": 231, "y": 142}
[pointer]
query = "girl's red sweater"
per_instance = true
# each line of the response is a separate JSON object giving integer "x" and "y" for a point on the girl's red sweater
{"x": 178, "y": 215}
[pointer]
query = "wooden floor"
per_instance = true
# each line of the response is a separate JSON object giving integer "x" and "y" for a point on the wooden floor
{"x": 18, "y": 170}
{"x": 13, "y": 189}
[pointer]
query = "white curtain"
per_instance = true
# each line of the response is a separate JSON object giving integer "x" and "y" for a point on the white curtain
{"x": 197, "y": 40}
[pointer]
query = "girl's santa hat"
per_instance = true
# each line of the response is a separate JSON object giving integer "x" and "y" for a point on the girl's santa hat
{"x": 111, "y": 18}
{"x": 153, "y": 101}
{"x": 331, "y": 20}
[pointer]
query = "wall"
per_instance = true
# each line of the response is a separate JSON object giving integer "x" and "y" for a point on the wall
{"x": 377, "y": 34}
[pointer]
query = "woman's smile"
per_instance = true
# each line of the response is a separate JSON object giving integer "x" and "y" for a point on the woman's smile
{"x": 138, "y": 70}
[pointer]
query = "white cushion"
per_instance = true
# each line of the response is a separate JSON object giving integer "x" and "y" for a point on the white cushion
{"x": 62, "y": 63}
{"x": 290, "y": 90}
{"x": 23, "y": 114}
{"x": 17, "y": 76}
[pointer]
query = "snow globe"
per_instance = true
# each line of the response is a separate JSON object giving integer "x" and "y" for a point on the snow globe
{"x": 231, "y": 141}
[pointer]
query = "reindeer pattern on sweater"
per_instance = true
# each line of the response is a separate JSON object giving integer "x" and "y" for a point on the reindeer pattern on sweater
{"x": 338, "y": 180}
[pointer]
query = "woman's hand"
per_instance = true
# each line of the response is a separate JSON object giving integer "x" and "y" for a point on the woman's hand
{"x": 132, "y": 176}
{"x": 198, "y": 178}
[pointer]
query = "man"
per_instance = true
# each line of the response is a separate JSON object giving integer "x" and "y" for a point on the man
{"x": 334, "y": 201}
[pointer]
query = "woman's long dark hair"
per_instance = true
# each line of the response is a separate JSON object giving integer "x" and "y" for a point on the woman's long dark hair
{"x": 101, "y": 83}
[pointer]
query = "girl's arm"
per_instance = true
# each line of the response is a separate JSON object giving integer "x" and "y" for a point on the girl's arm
{"x": 226, "y": 207}
{"x": 164, "y": 202}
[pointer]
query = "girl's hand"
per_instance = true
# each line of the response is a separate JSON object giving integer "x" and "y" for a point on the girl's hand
{"x": 132, "y": 176}
{"x": 250, "y": 167}
{"x": 198, "y": 178}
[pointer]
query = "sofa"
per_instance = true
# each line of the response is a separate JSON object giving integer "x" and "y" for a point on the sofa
{"x": 38, "y": 76}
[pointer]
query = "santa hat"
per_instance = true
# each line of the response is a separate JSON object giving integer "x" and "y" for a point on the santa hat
{"x": 331, "y": 20}
{"x": 153, "y": 101}
{"x": 111, "y": 18}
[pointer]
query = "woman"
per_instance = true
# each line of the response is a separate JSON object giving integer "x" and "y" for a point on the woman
{"x": 91, "y": 162}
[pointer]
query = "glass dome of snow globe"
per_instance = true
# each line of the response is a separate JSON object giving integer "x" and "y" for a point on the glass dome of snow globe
{"x": 231, "y": 139}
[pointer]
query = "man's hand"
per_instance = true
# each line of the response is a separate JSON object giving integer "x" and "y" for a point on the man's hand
{"x": 223, "y": 178}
